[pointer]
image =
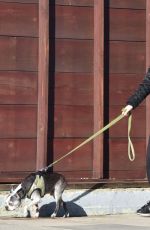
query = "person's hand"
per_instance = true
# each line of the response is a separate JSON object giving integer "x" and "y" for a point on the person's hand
{"x": 127, "y": 109}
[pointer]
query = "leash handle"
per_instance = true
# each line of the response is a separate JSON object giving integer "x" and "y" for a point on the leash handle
{"x": 131, "y": 152}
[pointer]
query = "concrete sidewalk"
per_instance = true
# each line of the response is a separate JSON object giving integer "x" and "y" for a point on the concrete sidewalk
{"x": 99, "y": 209}
{"x": 104, "y": 222}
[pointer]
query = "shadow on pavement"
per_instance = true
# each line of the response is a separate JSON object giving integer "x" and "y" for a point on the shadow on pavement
{"x": 73, "y": 209}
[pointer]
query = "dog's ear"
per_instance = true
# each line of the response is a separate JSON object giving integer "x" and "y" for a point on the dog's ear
{"x": 11, "y": 189}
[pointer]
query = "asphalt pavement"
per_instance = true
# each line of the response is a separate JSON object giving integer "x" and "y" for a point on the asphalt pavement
{"x": 104, "y": 222}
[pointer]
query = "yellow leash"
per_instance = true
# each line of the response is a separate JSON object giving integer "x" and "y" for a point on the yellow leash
{"x": 131, "y": 152}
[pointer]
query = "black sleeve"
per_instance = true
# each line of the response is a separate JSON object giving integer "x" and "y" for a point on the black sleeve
{"x": 141, "y": 93}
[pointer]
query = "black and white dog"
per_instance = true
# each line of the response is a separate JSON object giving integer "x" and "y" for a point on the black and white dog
{"x": 34, "y": 187}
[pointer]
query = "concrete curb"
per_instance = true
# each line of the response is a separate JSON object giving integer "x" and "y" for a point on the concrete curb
{"x": 86, "y": 202}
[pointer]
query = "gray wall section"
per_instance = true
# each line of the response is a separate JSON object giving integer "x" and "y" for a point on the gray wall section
{"x": 89, "y": 202}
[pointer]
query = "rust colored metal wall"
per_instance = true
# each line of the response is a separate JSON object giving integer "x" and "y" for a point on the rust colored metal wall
{"x": 126, "y": 69}
{"x": 18, "y": 88}
{"x": 76, "y": 76}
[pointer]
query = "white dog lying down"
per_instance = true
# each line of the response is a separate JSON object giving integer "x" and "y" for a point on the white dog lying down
{"x": 35, "y": 186}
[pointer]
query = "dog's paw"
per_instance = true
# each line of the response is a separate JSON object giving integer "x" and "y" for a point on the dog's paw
{"x": 34, "y": 212}
{"x": 53, "y": 215}
{"x": 26, "y": 212}
{"x": 66, "y": 215}
{"x": 34, "y": 215}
